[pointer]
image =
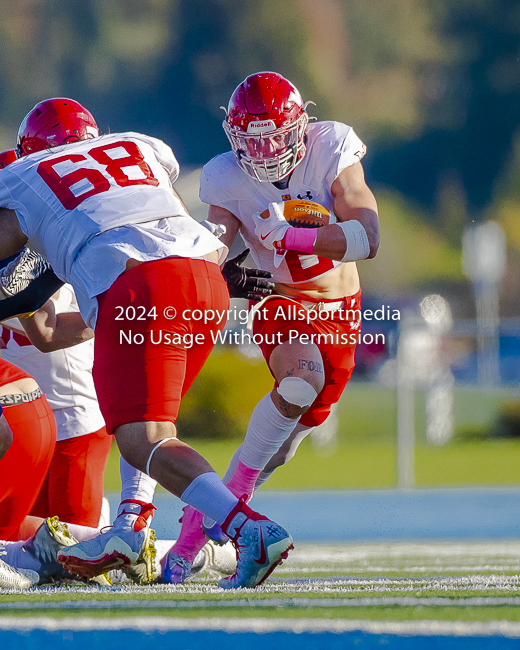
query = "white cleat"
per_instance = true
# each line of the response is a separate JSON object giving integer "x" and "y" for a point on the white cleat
{"x": 219, "y": 559}
{"x": 130, "y": 548}
{"x": 10, "y": 578}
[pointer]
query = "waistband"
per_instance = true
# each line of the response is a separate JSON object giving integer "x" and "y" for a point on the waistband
{"x": 20, "y": 398}
{"x": 316, "y": 305}
{"x": 335, "y": 305}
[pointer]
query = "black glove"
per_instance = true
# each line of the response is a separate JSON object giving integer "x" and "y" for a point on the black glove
{"x": 247, "y": 283}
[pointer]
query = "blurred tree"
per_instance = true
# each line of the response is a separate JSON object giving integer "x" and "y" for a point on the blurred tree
{"x": 433, "y": 87}
{"x": 470, "y": 122}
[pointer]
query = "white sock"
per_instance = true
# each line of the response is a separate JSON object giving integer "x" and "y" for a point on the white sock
{"x": 208, "y": 495}
{"x": 233, "y": 464}
{"x": 135, "y": 484}
{"x": 295, "y": 443}
{"x": 82, "y": 533}
{"x": 267, "y": 431}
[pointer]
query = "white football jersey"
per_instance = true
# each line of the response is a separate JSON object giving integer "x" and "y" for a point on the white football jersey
{"x": 65, "y": 376}
{"x": 89, "y": 206}
{"x": 331, "y": 147}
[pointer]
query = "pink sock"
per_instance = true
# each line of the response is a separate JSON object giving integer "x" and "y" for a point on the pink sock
{"x": 191, "y": 538}
{"x": 243, "y": 481}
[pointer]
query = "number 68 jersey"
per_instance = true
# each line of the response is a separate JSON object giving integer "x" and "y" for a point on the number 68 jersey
{"x": 89, "y": 206}
{"x": 330, "y": 148}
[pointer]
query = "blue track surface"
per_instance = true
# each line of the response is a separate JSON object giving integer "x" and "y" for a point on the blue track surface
{"x": 375, "y": 515}
{"x": 202, "y": 640}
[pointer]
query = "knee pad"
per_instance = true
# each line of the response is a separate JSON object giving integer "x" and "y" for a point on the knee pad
{"x": 297, "y": 391}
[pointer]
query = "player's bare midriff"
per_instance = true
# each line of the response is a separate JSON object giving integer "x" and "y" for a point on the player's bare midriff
{"x": 338, "y": 283}
{"x": 19, "y": 387}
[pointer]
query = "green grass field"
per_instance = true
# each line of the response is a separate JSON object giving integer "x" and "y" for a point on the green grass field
{"x": 365, "y": 455}
{"x": 461, "y": 583}
{"x": 471, "y": 581}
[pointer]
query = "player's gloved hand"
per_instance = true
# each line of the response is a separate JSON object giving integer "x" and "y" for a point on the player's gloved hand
{"x": 20, "y": 272}
{"x": 244, "y": 282}
{"x": 272, "y": 229}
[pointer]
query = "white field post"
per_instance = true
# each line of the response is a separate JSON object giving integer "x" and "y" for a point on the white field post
{"x": 484, "y": 262}
{"x": 405, "y": 409}
{"x": 419, "y": 362}
{"x": 439, "y": 379}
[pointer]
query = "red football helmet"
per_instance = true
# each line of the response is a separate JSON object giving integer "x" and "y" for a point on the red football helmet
{"x": 54, "y": 122}
{"x": 265, "y": 124}
{"x": 7, "y": 157}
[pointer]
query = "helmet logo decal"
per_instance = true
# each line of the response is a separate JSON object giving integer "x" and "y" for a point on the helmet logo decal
{"x": 265, "y": 125}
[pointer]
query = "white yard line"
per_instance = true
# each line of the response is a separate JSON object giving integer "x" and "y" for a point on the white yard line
{"x": 384, "y": 601}
{"x": 293, "y": 586}
{"x": 262, "y": 625}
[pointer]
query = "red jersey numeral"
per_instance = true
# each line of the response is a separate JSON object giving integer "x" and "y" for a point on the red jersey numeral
{"x": 115, "y": 166}
{"x": 61, "y": 185}
{"x": 299, "y": 273}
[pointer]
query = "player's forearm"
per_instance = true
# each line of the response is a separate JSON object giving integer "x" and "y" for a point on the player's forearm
{"x": 48, "y": 331}
{"x": 347, "y": 241}
{"x": 332, "y": 242}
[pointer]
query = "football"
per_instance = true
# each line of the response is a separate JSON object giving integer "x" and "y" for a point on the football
{"x": 303, "y": 214}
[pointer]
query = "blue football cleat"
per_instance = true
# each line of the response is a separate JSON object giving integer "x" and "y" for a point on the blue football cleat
{"x": 261, "y": 545}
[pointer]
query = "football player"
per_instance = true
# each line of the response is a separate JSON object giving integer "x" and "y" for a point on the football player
{"x": 103, "y": 212}
{"x": 7, "y": 157}
{"x": 73, "y": 489}
{"x": 25, "y": 459}
{"x": 276, "y": 156}
{"x": 27, "y": 441}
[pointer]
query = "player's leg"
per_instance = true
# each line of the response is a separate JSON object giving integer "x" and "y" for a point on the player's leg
{"x": 149, "y": 441}
{"x": 282, "y": 456}
{"x": 23, "y": 470}
{"x": 338, "y": 365}
{"x": 298, "y": 370}
{"x": 129, "y": 374}
{"x": 25, "y": 464}
{"x": 73, "y": 489}
{"x": 36, "y": 556}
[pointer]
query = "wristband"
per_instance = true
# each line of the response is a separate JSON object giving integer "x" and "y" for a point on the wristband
{"x": 356, "y": 239}
{"x": 300, "y": 239}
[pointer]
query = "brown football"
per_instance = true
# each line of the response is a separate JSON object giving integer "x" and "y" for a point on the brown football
{"x": 303, "y": 214}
